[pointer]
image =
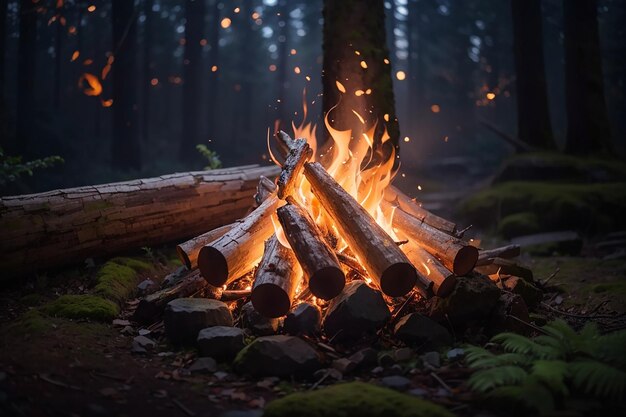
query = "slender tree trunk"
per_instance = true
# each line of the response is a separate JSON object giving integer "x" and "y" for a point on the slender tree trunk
{"x": 587, "y": 119}
{"x": 126, "y": 152}
{"x": 416, "y": 75}
{"x": 283, "y": 54}
{"x": 465, "y": 109}
{"x": 350, "y": 27}
{"x": 214, "y": 53}
{"x": 243, "y": 114}
{"x": 192, "y": 80}
{"x": 3, "y": 31}
{"x": 26, "y": 66}
{"x": 533, "y": 120}
{"x": 147, "y": 71}
{"x": 58, "y": 54}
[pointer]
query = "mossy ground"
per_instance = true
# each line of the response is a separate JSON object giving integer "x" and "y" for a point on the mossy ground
{"x": 585, "y": 282}
{"x": 117, "y": 278}
{"x": 587, "y": 208}
{"x": 82, "y": 306}
{"x": 353, "y": 399}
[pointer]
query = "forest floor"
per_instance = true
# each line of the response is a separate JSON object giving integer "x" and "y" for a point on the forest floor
{"x": 53, "y": 366}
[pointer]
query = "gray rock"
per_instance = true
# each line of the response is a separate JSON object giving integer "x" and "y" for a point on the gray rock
{"x": 456, "y": 353}
{"x": 256, "y": 323}
{"x": 357, "y": 311}
{"x": 305, "y": 318}
{"x": 403, "y": 354}
{"x": 141, "y": 344}
{"x": 281, "y": 356}
{"x": 432, "y": 358}
{"x": 203, "y": 366}
{"x": 395, "y": 370}
{"x": 220, "y": 342}
{"x": 364, "y": 357}
{"x": 377, "y": 370}
{"x": 185, "y": 317}
{"x": 396, "y": 382}
{"x": 344, "y": 365}
{"x": 421, "y": 331}
{"x": 418, "y": 392}
{"x": 386, "y": 359}
{"x": 174, "y": 277}
{"x": 147, "y": 286}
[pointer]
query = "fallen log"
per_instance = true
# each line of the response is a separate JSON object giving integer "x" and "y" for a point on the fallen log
{"x": 59, "y": 227}
{"x": 189, "y": 250}
{"x": 442, "y": 281}
{"x": 299, "y": 153}
{"x": 454, "y": 254}
{"x": 319, "y": 262}
{"x": 276, "y": 280}
{"x": 486, "y": 257}
{"x": 396, "y": 197}
{"x": 151, "y": 307}
{"x": 239, "y": 250}
{"x": 388, "y": 267}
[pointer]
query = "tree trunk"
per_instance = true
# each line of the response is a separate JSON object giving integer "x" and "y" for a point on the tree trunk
{"x": 192, "y": 80}
{"x": 58, "y": 55}
{"x": 350, "y": 27}
{"x": 26, "y": 67}
{"x": 147, "y": 71}
{"x": 283, "y": 53}
{"x": 125, "y": 150}
{"x": 3, "y": 32}
{"x": 587, "y": 119}
{"x": 533, "y": 115}
{"x": 213, "y": 78}
{"x": 64, "y": 226}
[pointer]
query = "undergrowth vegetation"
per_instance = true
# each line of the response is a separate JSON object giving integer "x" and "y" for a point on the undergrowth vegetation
{"x": 560, "y": 370}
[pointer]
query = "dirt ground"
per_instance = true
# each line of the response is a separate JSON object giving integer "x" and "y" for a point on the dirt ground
{"x": 60, "y": 367}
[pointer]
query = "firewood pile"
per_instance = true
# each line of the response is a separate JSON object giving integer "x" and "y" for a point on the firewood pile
{"x": 281, "y": 255}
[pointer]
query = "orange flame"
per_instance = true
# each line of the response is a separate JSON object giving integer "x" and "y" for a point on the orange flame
{"x": 94, "y": 87}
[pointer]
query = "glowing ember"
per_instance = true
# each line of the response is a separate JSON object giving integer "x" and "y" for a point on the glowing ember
{"x": 400, "y": 75}
{"x": 94, "y": 87}
{"x": 225, "y": 23}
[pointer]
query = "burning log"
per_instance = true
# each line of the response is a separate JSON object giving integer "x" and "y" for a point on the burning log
{"x": 265, "y": 188}
{"x": 501, "y": 266}
{"x": 486, "y": 257}
{"x": 236, "y": 252}
{"x": 189, "y": 250}
{"x": 299, "y": 154}
{"x": 59, "y": 227}
{"x": 152, "y": 306}
{"x": 410, "y": 206}
{"x": 319, "y": 262}
{"x": 441, "y": 279}
{"x": 454, "y": 254}
{"x": 276, "y": 280}
{"x": 381, "y": 257}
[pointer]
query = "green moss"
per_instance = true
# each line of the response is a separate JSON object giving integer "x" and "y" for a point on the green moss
{"x": 558, "y": 167}
{"x": 31, "y": 322}
{"x": 616, "y": 288}
{"x": 32, "y": 300}
{"x": 117, "y": 278}
{"x": 353, "y": 399}
{"x": 82, "y": 307}
{"x": 588, "y": 208}
{"x": 519, "y": 224}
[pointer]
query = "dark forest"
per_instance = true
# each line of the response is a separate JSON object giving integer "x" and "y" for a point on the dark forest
{"x": 325, "y": 207}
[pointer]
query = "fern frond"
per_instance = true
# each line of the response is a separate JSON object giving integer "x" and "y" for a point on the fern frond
{"x": 598, "y": 379}
{"x": 610, "y": 348}
{"x": 531, "y": 394}
{"x": 552, "y": 374}
{"x": 487, "y": 379}
{"x": 516, "y": 343}
{"x": 475, "y": 353}
{"x": 551, "y": 347}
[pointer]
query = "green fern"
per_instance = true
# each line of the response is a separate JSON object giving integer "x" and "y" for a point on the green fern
{"x": 487, "y": 379}
{"x": 542, "y": 373}
{"x": 598, "y": 379}
{"x": 212, "y": 157}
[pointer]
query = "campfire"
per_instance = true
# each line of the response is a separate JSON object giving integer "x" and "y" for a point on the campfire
{"x": 331, "y": 217}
